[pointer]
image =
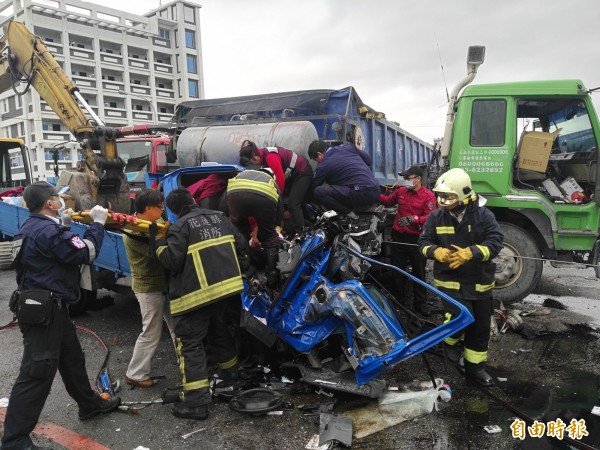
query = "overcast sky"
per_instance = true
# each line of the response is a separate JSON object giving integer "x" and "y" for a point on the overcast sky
{"x": 388, "y": 49}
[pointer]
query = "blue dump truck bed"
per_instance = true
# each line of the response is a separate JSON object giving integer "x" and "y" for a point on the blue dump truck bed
{"x": 337, "y": 115}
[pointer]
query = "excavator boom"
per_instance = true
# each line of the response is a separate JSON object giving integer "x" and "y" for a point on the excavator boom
{"x": 99, "y": 177}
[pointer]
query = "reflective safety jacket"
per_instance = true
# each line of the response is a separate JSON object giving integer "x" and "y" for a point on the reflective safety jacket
{"x": 479, "y": 231}
{"x": 201, "y": 257}
{"x": 255, "y": 181}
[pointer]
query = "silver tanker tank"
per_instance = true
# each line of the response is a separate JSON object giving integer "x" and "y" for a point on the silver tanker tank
{"x": 221, "y": 143}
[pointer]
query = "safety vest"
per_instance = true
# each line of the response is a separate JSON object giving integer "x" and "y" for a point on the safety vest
{"x": 254, "y": 181}
{"x": 288, "y": 158}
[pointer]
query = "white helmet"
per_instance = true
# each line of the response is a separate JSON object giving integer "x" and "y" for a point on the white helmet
{"x": 452, "y": 187}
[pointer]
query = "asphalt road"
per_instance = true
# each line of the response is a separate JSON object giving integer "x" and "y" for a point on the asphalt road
{"x": 542, "y": 374}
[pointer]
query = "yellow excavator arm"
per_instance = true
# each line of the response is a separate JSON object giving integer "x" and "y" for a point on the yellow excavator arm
{"x": 100, "y": 177}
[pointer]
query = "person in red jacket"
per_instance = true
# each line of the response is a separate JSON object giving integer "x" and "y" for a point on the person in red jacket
{"x": 293, "y": 175}
{"x": 415, "y": 202}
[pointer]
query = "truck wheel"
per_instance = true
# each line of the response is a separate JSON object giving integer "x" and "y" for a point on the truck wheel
{"x": 517, "y": 277}
{"x": 87, "y": 298}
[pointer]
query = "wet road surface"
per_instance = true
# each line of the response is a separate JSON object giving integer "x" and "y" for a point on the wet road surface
{"x": 548, "y": 371}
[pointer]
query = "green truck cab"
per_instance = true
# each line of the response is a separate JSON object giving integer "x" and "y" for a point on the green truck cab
{"x": 531, "y": 149}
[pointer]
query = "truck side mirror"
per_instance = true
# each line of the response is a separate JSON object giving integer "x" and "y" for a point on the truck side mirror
{"x": 476, "y": 55}
{"x": 172, "y": 150}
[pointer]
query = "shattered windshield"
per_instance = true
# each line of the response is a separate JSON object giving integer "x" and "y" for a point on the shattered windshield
{"x": 569, "y": 118}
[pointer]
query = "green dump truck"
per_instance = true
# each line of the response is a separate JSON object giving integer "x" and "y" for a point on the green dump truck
{"x": 531, "y": 149}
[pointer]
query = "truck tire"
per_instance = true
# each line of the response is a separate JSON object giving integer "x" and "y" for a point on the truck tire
{"x": 87, "y": 297}
{"x": 517, "y": 277}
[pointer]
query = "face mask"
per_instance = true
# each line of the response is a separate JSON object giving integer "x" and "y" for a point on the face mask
{"x": 62, "y": 206}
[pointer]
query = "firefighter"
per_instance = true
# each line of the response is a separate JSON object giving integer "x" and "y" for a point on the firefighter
{"x": 253, "y": 197}
{"x": 293, "y": 175}
{"x": 463, "y": 237}
{"x": 204, "y": 255}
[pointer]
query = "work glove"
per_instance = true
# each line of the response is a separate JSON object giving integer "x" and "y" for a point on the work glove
{"x": 406, "y": 221}
{"x": 442, "y": 254}
{"x": 460, "y": 256}
{"x": 66, "y": 218}
{"x": 99, "y": 214}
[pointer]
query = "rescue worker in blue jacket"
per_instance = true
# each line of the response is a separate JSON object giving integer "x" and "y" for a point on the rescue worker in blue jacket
{"x": 463, "y": 237}
{"x": 204, "y": 255}
{"x": 253, "y": 198}
{"x": 343, "y": 179}
{"x": 48, "y": 257}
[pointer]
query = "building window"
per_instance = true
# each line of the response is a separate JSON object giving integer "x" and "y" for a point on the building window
{"x": 191, "y": 64}
{"x": 188, "y": 14}
{"x": 190, "y": 39}
{"x": 193, "y": 88}
{"x": 163, "y": 33}
{"x": 138, "y": 107}
{"x": 137, "y": 82}
{"x": 55, "y": 127}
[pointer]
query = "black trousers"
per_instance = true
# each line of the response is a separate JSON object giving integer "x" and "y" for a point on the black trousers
{"x": 298, "y": 190}
{"x": 191, "y": 328}
{"x": 264, "y": 210}
{"x": 477, "y": 335}
{"x": 344, "y": 199}
{"x": 46, "y": 350}
{"x": 408, "y": 251}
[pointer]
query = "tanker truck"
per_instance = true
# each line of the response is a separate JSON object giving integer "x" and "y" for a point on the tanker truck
{"x": 213, "y": 129}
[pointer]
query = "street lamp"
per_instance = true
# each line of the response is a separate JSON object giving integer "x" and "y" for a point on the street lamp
{"x": 146, "y": 99}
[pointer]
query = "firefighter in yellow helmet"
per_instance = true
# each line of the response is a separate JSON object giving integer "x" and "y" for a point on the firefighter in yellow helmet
{"x": 463, "y": 237}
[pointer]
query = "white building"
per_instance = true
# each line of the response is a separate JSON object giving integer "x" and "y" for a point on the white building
{"x": 130, "y": 69}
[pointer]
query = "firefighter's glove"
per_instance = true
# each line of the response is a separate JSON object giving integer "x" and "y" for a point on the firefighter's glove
{"x": 99, "y": 214}
{"x": 65, "y": 217}
{"x": 406, "y": 221}
{"x": 442, "y": 255}
{"x": 460, "y": 256}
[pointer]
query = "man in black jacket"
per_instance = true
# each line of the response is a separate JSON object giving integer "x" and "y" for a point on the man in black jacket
{"x": 204, "y": 255}
{"x": 463, "y": 237}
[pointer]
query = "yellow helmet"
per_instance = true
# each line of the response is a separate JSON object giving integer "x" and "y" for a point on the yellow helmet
{"x": 452, "y": 187}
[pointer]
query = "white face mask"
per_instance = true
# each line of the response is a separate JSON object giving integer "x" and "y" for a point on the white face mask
{"x": 62, "y": 206}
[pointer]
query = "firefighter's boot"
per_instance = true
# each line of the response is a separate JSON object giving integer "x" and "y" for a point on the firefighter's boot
{"x": 271, "y": 270}
{"x": 477, "y": 373}
{"x": 454, "y": 354}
